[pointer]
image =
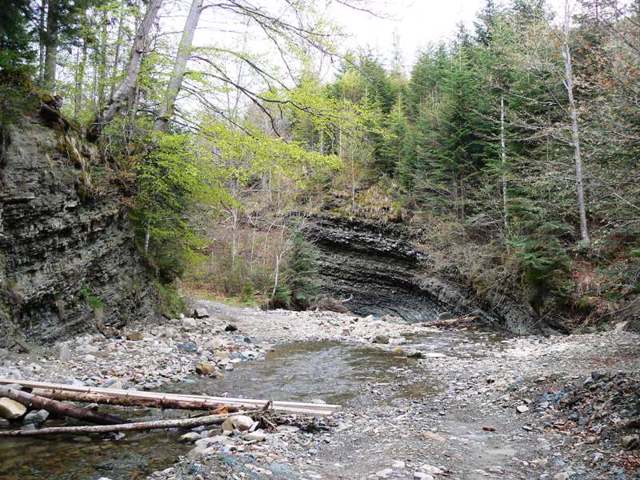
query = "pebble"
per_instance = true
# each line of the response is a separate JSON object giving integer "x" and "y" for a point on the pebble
{"x": 422, "y": 476}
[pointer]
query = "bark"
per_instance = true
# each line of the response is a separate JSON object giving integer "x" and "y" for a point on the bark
{"x": 575, "y": 127}
{"x": 125, "y": 427}
{"x": 180, "y": 66}
{"x": 58, "y": 408}
{"x": 51, "y": 45}
{"x": 128, "y": 401}
{"x": 116, "y": 58}
{"x": 79, "y": 79}
{"x": 101, "y": 60}
{"x": 41, "y": 40}
{"x": 126, "y": 88}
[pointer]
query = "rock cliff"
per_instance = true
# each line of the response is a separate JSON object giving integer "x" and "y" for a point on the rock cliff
{"x": 67, "y": 258}
{"x": 377, "y": 268}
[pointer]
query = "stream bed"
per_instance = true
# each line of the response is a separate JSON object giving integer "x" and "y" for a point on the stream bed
{"x": 302, "y": 371}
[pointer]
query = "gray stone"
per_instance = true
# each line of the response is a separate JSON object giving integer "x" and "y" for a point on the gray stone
{"x": 382, "y": 339}
{"x": 631, "y": 442}
{"x": 36, "y": 417}
{"x": 190, "y": 437}
{"x": 422, "y": 476}
{"x": 522, "y": 409}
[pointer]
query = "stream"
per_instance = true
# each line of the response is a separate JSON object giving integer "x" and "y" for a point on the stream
{"x": 302, "y": 371}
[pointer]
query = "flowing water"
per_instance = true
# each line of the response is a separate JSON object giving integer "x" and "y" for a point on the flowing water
{"x": 333, "y": 372}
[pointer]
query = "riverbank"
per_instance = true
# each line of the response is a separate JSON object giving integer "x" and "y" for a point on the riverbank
{"x": 418, "y": 401}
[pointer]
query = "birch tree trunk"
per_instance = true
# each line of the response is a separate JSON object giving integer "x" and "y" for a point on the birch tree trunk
{"x": 124, "y": 91}
{"x": 179, "y": 67}
{"x": 575, "y": 127}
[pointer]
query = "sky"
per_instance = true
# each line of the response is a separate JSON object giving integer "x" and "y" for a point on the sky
{"x": 416, "y": 23}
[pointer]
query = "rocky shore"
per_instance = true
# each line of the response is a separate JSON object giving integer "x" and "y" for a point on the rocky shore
{"x": 431, "y": 403}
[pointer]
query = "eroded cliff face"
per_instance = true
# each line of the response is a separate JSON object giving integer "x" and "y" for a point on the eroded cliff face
{"x": 67, "y": 258}
{"x": 378, "y": 268}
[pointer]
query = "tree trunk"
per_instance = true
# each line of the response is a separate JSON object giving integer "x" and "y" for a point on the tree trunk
{"x": 58, "y": 408}
{"x": 79, "y": 80}
{"x": 101, "y": 62}
{"x": 128, "y": 401}
{"x": 575, "y": 127}
{"x": 503, "y": 161}
{"x": 116, "y": 58}
{"x": 124, "y": 91}
{"x": 41, "y": 40}
{"x": 51, "y": 46}
{"x": 180, "y": 66}
{"x": 125, "y": 427}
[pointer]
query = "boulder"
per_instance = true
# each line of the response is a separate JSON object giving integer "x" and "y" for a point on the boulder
{"x": 10, "y": 409}
{"x": 35, "y": 417}
{"x": 382, "y": 339}
{"x": 190, "y": 437}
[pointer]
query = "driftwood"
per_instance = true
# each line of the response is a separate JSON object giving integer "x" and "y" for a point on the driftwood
{"x": 288, "y": 407}
{"x": 129, "y": 401}
{"x": 125, "y": 427}
{"x": 58, "y": 408}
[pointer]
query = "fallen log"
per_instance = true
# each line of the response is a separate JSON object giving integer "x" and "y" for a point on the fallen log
{"x": 132, "y": 401}
{"x": 58, "y": 408}
{"x": 126, "y": 427}
{"x": 278, "y": 406}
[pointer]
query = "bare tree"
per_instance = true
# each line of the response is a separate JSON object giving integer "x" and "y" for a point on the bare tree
{"x": 124, "y": 91}
{"x": 575, "y": 127}
{"x": 179, "y": 66}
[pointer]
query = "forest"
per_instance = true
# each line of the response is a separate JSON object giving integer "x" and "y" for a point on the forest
{"x": 509, "y": 150}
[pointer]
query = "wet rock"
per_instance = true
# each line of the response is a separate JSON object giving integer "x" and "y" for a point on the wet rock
{"x": 417, "y": 354}
{"x": 230, "y": 328}
{"x": 190, "y": 437}
{"x": 381, "y": 339}
{"x": 200, "y": 313}
{"x": 205, "y": 368}
{"x": 631, "y": 442}
{"x": 36, "y": 417}
{"x": 10, "y": 409}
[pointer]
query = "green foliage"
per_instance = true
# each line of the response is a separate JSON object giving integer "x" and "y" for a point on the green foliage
{"x": 302, "y": 273}
{"x": 16, "y": 50}
{"x": 94, "y": 301}
{"x": 170, "y": 181}
{"x": 172, "y": 304}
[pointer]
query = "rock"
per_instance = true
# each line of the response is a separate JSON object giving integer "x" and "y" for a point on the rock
{"x": 200, "y": 313}
{"x": 431, "y": 470}
{"x": 4, "y": 423}
{"x": 10, "y": 409}
{"x": 243, "y": 423}
{"x": 35, "y": 417}
{"x": 205, "y": 368}
{"x": 135, "y": 336}
{"x": 522, "y": 409}
{"x": 417, "y": 354}
{"x": 189, "y": 323}
{"x": 386, "y": 473}
{"x": 257, "y": 436}
{"x": 187, "y": 347}
{"x": 64, "y": 353}
{"x": 230, "y": 328}
{"x": 381, "y": 339}
{"x": 422, "y": 476}
{"x": 399, "y": 465}
{"x": 631, "y": 442}
{"x": 190, "y": 437}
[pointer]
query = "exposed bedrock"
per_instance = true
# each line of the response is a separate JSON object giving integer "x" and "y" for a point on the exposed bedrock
{"x": 67, "y": 257}
{"x": 378, "y": 270}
